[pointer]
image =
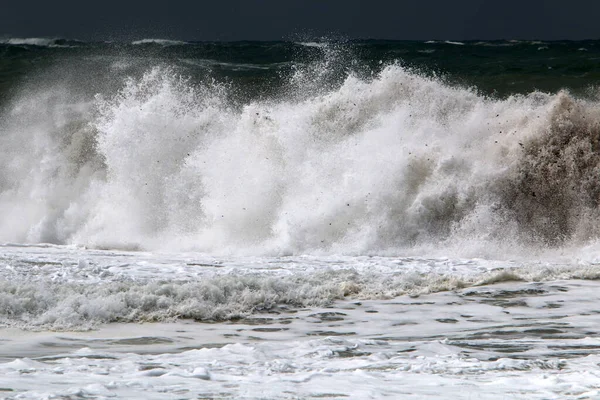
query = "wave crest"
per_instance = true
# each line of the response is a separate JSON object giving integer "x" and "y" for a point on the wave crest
{"x": 162, "y": 42}
{"x": 40, "y": 42}
{"x": 366, "y": 165}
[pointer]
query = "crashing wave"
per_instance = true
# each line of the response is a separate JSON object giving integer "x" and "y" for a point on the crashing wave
{"x": 162, "y": 42}
{"x": 371, "y": 165}
{"x": 40, "y": 42}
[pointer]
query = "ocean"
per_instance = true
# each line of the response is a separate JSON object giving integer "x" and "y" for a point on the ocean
{"x": 330, "y": 219}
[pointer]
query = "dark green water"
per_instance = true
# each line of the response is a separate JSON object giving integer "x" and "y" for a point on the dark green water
{"x": 259, "y": 69}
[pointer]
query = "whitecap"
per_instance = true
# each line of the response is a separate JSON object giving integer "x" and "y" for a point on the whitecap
{"x": 319, "y": 45}
{"x": 162, "y": 42}
{"x": 454, "y": 43}
{"x": 42, "y": 42}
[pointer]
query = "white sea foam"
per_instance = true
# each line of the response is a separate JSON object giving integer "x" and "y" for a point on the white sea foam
{"x": 518, "y": 340}
{"x": 377, "y": 166}
{"x": 162, "y": 42}
{"x": 66, "y": 288}
{"x": 454, "y": 43}
{"x": 319, "y": 45}
{"x": 44, "y": 42}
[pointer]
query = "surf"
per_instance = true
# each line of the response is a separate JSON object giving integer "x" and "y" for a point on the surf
{"x": 394, "y": 162}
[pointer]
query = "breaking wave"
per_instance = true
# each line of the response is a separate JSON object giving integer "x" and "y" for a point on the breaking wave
{"x": 83, "y": 295}
{"x": 162, "y": 42}
{"x": 40, "y": 42}
{"x": 364, "y": 165}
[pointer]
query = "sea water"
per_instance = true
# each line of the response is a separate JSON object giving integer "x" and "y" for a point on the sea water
{"x": 299, "y": 220}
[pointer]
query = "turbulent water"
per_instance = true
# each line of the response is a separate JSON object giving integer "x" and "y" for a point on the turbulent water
{"x": 285, "y": 148}
{"x": 162, "y": 181}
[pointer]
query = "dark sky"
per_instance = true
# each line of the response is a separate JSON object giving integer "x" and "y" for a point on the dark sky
{"x": 291, "y": 19}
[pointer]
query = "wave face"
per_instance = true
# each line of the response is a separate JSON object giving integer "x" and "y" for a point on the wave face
{"x": 336, "y": 161}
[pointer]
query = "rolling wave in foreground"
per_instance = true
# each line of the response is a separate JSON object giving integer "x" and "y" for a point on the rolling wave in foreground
{"x": 378, "y": 165}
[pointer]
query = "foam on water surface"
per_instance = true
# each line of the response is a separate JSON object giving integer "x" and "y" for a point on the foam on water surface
{"x": 289, "y": 327}
{"x": 524, "y": 340}
{"x": 70, "y": 288}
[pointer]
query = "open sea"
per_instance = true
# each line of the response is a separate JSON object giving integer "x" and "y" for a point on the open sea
{"x": 299, "y": 220}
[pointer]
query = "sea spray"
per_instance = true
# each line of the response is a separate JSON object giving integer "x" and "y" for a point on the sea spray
{"x": 375, "y": 165}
